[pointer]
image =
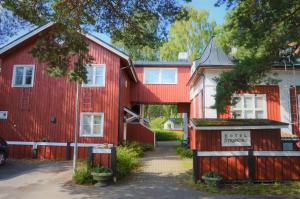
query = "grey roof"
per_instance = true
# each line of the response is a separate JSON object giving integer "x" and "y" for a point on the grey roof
{"x": 213, "y": 56}
{"x": 162, "y": 63}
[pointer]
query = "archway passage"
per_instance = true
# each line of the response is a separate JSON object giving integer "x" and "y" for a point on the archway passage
{"x": 147, "y": 123}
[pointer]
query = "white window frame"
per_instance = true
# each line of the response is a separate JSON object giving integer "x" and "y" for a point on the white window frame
{"x": 23, "y": 77}
{"x": 298, "y": 107}
{"x": 92, "y": 114}
{"x": 160, "y": 75}
{"x": 94, "y": 66}
{"x": 254, "y": 109}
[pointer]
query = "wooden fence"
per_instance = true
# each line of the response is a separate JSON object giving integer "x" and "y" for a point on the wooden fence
{"x": 137, "y": 132}
{"x": 248, "y": 165}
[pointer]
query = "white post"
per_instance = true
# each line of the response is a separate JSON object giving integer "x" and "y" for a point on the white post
{"x": 142, "y": 113}
{"x": 185, "y": 128}
{"x": 125, "y": 131}
{"x": 76, "y": 127}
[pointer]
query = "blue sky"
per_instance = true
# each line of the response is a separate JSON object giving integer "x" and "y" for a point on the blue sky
{"x": 215, "y": 13}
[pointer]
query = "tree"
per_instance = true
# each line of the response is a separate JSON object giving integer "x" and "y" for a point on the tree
{"x": 7, "y": 20}
{"x": 188, "y": 35}
{"x": 258, "y": 29}
{"x": 124, "y": 21}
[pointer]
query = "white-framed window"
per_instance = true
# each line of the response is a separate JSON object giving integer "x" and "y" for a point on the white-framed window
{"x": 95, "y": 75}
{"x": 160, "y": 75}
{"x": 250, "y": 106}
{"x": 91, "y": 124}
{"x": 23, "y": 75}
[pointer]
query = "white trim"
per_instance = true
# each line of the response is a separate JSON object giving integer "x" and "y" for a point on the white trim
{"x": 94, "y": 66}
{"x": 92, "y": 114}
{"x": 25, "y": 37}
{"x": 245, "y": 153}
{"x": 107, "y": 46}
{"x": 15, "y": 66}
{"x": 238, "y": 127}
{"x": 160, "y": 75}
{"x": 276, "y": 153}
{"x": 56, "y": 144}
{"x": 221, "y": 153}
{"x": 107, "y": 151}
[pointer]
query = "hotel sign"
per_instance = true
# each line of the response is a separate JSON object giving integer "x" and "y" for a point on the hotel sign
{"x": 236, "y": 138}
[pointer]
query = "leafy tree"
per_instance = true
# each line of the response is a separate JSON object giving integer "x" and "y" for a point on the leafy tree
{"x": 166, "y": 111}
{"x": 7, "y": 20}
{"x": 188, "y": 35}
{"x": 124, "y": 21}
{"x": 258, "y": 29}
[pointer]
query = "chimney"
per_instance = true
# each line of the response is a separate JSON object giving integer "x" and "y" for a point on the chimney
{"x": 183, "y": 56}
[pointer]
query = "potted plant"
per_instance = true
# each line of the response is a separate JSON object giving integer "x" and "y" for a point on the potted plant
{"x": 102, "y": 175}
{"x": 212, "y": 179}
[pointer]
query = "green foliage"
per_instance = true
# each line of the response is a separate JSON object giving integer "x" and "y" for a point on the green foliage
{"x": 165, "y": 135}
{"x": 129, "y": 22}
{"x": 83, "y": 174}
{"x": 212, "y": 175}
{"x": 189, "y": 35}
{"x": 258, "y": 29}
{"x": 101, "y": 169}
{"x": 157, "y": 123}
{"x": 184, "y": 152}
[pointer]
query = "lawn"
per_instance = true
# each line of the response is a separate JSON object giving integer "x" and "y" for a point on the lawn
{"x": 166, "y": 135}
{"x": 269, "y": 189}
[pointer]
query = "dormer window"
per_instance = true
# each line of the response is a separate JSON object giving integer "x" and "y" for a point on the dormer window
{"x": 23, "y": 76}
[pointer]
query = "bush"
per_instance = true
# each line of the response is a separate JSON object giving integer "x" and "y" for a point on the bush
{"x": 184, "y": 152}
{"x": 165, "y": 135}
{"x": 136, "y": 147}
{"x": 83, "y": 174}
{"x": 157, "y": 123}
{"x": 127, "y": 160}
{"x": 148, "y": 147}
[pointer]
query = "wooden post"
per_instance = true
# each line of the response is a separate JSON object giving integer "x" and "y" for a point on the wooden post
{"x": 195, "y": 166}
{"x": 90, "y": 157}
{"x": 251, "y": 165}
{"x": 113, "y": 160}
{"x": 34, "y": 150}
{"x": 68, "y": 151}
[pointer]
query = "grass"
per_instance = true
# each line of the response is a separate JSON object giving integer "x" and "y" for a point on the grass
{"x": 270, "y": 189}
{"x": 184, "y": 152}
{"x": 187, "y": 163}
{"x": 157, "y": 123}
{"x": 166, "y": 135}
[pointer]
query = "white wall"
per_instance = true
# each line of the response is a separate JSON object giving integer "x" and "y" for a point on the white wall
{"x": 207, "y": 81}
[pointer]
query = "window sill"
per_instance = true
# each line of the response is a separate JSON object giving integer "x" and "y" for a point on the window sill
{"x": 22, "y": 86}
{"x": 92, "y": 136}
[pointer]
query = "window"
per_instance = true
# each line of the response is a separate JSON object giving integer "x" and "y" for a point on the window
{"x": 23, "y": 76}
{"x": 287, "y": 146}
{"x": 250, "y": 106}
{"x": 95, "y": 75}
{"x": 160, "y": 76}
{"x": 91, "y": 124}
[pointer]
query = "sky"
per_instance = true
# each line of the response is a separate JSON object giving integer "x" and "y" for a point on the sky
{"x": 215, "y": 13}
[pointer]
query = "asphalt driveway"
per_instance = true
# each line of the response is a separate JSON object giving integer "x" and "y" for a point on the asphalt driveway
{"x": 157, "y": 178}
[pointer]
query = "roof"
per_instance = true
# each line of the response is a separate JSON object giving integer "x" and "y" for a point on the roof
{"x": 89, "y": 36}
{"x": 213, "y": 56}
{"x": 162, "y": 63}
{"x": 228, "y": 124}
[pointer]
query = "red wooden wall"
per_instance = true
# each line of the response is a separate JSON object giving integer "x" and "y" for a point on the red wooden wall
{"x": 294, "y": 109}
{"x": 139, "y": 133}
{"x": 162, "y": 93}
{"x": 273, "y": 101}
{"x": 56, "y": 97}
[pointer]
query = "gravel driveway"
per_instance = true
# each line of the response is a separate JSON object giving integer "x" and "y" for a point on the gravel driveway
{"x": 157, "y": 178}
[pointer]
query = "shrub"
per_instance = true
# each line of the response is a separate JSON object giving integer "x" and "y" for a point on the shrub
{"x": 165, "y": 135}
{"x": 83, "y": 174}
{"x": 127, "y": 160}
{"x": 148, "y": 147}
{"x": 184, "y": 152}
{"x": 212, "y": 174}
{"x": 101, "y": 169}
{"x": 136, "y": 147}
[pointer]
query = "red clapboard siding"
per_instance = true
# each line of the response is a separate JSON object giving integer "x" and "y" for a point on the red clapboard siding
{"x": 139, "y": 133}
{"x": 56, "y": 97}
{"x": 294, "y": 109}
{"x": 273, "y": 101}
{"x": 160, "y": 93}
{"x": 261, "y": 140}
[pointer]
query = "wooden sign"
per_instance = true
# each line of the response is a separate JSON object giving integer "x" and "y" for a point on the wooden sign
{"x": 236, "y": 138}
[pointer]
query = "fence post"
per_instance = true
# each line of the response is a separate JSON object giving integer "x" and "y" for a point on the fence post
{"x": 251, "y": 165}
{"x": 90, "y": 158}
{"x": 195, "y": 166}
{"x": 68, "y": 151}
{"x": 34, "y": 150}
{"x": 113, "y": 160}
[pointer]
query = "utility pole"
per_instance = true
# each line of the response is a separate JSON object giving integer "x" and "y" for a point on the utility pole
{"x": 76, "y": 127}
